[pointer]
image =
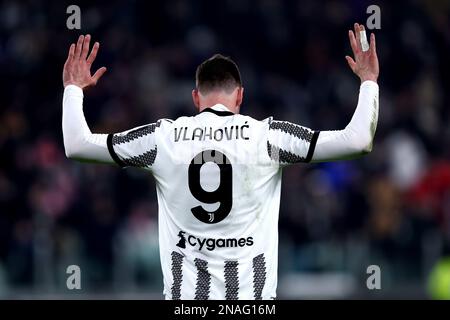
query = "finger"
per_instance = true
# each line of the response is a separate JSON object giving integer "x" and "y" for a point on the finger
{"x": 358, "y": 35}
{"x": 353, "y": 43}
{"x": 363, "y": 39}
{"x": 69, "y": 56}
{"x": 98, "y": 74}
{"x": 373, "y": 46}
{"x": 85, "y": 50}
{"x": 93, "y": 54}
{"x": 79, "y": 47}
{"x": 351, "y": 63}
{"x": 71, "y": 53}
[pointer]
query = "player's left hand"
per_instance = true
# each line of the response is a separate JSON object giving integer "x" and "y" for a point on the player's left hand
{"x": 77, "y": 69}
{"x": 365, "y": 64}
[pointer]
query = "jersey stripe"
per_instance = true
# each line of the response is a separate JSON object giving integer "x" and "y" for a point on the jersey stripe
{"x": 203, "y": 285}
{"x": 177, "y": 275}
{"x": 144, "y": 160}
{"x": 259, "y": 275}
{"x": 231, "y": 280}
{"x": 203, "y": 280}
{"x": 280, "y": 155}
{"x": 292, "y": 129}
{"x": 113, "y": 154}
{"x": 134, "y": 134}
{"x": 312, "y": 146}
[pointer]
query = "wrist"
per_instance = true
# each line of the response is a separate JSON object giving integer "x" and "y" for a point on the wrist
{"x": 73, "y": 89}
{"x": 67, "y": 84}
{"x": 368, "y": 78}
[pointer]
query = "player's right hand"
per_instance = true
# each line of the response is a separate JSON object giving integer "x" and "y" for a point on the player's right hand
{"x": 77, "y": 69}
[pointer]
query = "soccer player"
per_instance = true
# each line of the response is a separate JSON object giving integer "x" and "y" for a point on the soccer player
{"x": 218, "y": 173}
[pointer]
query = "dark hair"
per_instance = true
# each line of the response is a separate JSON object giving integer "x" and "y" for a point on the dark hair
{"x": 218, "y": 72}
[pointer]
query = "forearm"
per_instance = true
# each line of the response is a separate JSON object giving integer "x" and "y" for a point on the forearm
{"x": 79, "y": 142}
{"x": 357, "y": 137}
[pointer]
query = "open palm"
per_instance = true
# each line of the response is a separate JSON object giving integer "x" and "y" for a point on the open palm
{"x": 365, "y": 64}
{"x": 77, "y": 69}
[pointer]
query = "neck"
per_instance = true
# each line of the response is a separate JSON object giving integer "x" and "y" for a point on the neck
{"x": 219, "y": 97}
{"x": 234, "y": 109}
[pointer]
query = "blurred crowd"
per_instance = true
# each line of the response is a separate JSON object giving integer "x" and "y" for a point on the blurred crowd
{"x": 390, "y": 208}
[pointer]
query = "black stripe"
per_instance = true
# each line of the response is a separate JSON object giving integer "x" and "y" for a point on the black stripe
{"x": 112, "y": 152}
{"x": 280, "y": 155}
{"x": 231, "y": 280}
{"x": 203, "y": 280}
{"x": 312, "y": 146}
{"x": 292, "y": 129}
{"x": 218, "y": 113}
{"x": 177, "y": 274}
{"x": 144, "y": 160}
{"x": 259, "y": 275}
{"x": 134, "y": 134}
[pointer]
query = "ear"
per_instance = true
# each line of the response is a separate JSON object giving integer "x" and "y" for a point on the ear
{"x": 196, "y": 99}
{"x": 239, "y": 96}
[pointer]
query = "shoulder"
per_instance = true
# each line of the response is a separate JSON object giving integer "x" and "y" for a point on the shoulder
{"x": 163, "y": 123}
{"x": 267, "y": 120}
{"x": 250, "y": 119}
{"x": 260, "y": 125}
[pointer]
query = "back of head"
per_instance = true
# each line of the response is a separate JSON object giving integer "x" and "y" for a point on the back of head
{"x": 218, "y": 73}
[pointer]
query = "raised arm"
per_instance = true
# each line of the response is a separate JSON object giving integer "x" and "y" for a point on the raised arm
{"x": 289, "y": 143}
{"x": 135, "y": 147}
{"x": 357, "y": 137}
{"x": 79, "y": 142}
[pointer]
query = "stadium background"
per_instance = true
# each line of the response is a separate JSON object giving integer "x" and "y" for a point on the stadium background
{"x": 390, "y": 208}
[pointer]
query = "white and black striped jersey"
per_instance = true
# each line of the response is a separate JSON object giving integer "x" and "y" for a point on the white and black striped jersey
{"x": 218, "y": 179}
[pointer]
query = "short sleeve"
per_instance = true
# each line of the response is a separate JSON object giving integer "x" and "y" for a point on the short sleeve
{"x": 289, "y": 143}
{"x": 136, "y": 147}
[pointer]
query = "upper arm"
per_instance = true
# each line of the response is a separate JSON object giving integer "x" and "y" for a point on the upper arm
{"x": 344, "y": 144}
{"x": 289, "y": 143}
{"x": 137, "y": 147}
{"x": 357, "y": 137}
{"x": 89, "y": 148}
{"x": 79, "y": 143}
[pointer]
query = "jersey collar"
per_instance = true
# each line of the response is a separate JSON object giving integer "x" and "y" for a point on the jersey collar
{"x": 219, "y": 109}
